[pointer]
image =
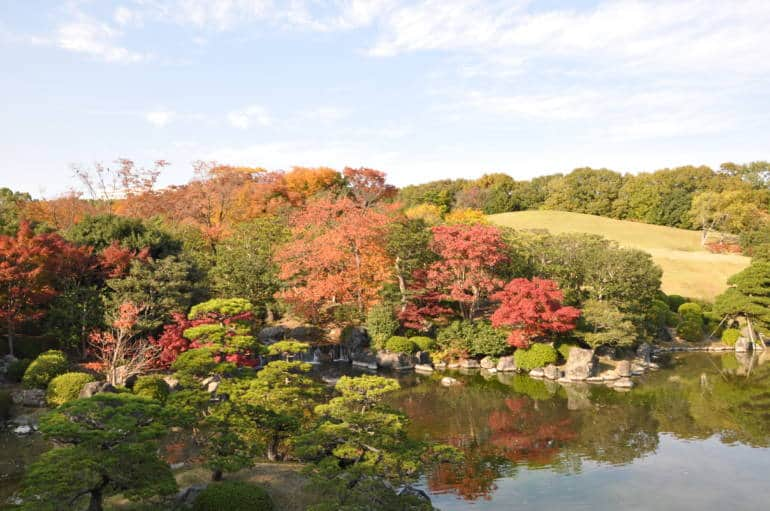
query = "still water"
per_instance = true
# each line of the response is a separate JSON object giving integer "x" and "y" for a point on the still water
{"x": 694, "y": 435}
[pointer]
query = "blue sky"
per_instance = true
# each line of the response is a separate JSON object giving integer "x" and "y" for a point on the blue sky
{"x": 422, "y": 90}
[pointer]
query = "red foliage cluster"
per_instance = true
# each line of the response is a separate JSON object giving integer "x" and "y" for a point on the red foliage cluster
{"x": 533, "y": 309}
{"x": 724, "y": 248}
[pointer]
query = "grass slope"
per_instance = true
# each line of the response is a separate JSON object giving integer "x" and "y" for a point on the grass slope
{"x": 688, "y": 269}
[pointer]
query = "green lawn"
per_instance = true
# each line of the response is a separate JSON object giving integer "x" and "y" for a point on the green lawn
{"x": 688, "y": 269}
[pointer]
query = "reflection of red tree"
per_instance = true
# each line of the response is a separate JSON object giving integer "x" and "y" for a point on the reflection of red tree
{"x": 518, "y": 433}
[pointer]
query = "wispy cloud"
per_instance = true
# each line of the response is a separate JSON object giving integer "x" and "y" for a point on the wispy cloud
{"x": 160, "y": 118}
{"x": 247, "y": 117}
{"x": 96, "y": 39}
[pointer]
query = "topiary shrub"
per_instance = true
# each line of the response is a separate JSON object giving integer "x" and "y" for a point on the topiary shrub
{"x": 690, "y": 327}
{"x": 66, "y": 387}
{"x": 730, "y": 336}
{"x": 45, "y": 368}
{"x": 200, "y": 362}
{"x": 458, "y": 335}
{"x": 690, "y": 309}
{"x": 152, "y": 387}
{"x": 381, "y": 324}
{"x": 16, "y": 369}
{"x": 6, "y": 401}
{"x": 537, "y": 355}
{"x": 423, "y": 343}
{"x": 488, "y": 340}
{"x": 398, "y": 344}
{"x": 233, "y": 496}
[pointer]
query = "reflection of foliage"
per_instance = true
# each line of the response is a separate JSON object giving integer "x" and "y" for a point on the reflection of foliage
{"x": 536, "y": 389}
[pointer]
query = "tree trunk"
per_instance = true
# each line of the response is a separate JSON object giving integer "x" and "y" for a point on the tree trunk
{"x": 216, "y": 475}
{"x": 272, "y": 449}
{"x": 96, "y": 500}
{"x": 10, "y": 338}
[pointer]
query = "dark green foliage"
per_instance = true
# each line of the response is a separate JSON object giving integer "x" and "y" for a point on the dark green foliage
{"x": 200, "y": 362}
{"x": 603, "y": 324}
{"x": 231, "y": 326}
{"x": 440, "y": 193}
{"x": 564, "y": 348}
{"x": 748, "y": 296}
{"x": 233, "y": 496}
{"x": 101, "y": 231}
{"x": 16, "y": 369}
{"x": 398, "y": 344}
{"x": 423, "y": 343}
{"x": 161, "y": 286}
{"x": 585, "y": 190}
{"x": 477, "y": 338}
{"x": 537, "y": 355}
{"x": 152, "y": 387}
{"x": 730, "y": 336}
{"x": 244, "y": 262}
{"x": 11, "y": 204}
{"x": 44, "y": 368}
{"x": 690, "y": 309}
{"x": 675, "y": 301}
{"x": 6, "y": 402}
{"x": 381, "y": 324}
{"x": 365, "y": 495}
{"x": 66, "y": 387}
{"x": 75, "y": 312}
{"x": 108, "y": 445}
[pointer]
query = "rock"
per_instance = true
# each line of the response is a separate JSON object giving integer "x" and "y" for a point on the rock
{"x": 580, "y": 364}
{"x": 186, "y": 497}
{"x": 30, "y": 397}
{"x": 395, "y": 361}
{"x": 24, "y": 420}
{"x": 623, "y": 368}
{"x": 552, "y": 372}
{"x": 354, "y": 340}
{"x": 743, "y": 344}
{"x": 624, "y": 383}
{"x": 96, "y": 387}
{"x": 594, "y": 379}
{"x": 271, "y": 334}
{"x": 564, "y": 380}
{"x": 537, "y": 373}
{"x": 488, "y": 363}
{"x": 305, "y": 334}
{"x": 506, "y": 364}
{"x": 609, "y": 376}
{"x": 212, "y": 386}
{"x": 637, "y": 370}
{"x": 23, "y": 430}
{"x": 448, "y": 381}
{"x": 173, "y": 383}
{"x": 440, "y": 366}
{"x": 371, "y": 366}
{"x": 491, "y": 370}
{"x": 423, "y": 368}
{"x": 453, "y": 365}
{"x": 644, "y": 352}
{"x": 469, "y": 363}
{"x": 423, "y": 357}
{"x": 409, "y": 491}
{"x": 207, "y": 381}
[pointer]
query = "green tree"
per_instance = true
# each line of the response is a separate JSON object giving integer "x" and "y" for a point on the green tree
{"x": 407, "y": 243}
{"x": 108, "y": 445}
{"x": 381, "y": 324}
{"x": 585, "y": 190}
{"x": 100, "y": 231}
{"x": 11, "y": 204}
{"x": 602, "y": 324}
{"x": 748, "y": 296}
{"x": 160, "y": 286}
{"x": 244, "y": 262}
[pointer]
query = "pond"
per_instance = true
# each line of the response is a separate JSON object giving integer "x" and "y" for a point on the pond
{"x": 694, "y": 435}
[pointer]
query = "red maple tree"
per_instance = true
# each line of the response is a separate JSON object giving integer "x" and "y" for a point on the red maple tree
{"x": 533, "y": 309}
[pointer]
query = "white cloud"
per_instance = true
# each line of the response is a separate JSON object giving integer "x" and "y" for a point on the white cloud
{"x": 159, "y": 118}
{"x": 244, "y": 119}
{"x": 96, "y": 39}
{"x": 326, "y": 114}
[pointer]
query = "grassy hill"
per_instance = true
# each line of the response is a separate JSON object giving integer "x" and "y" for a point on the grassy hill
{"x": 688, "y": 269}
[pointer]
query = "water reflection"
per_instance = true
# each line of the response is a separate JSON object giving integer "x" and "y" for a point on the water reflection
{"x": 509, "y": 426}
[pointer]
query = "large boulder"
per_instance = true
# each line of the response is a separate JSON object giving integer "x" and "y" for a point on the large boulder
{"x": 271, "y": 334}
{"x": 394, "y": 361}
{"x": 423, "y": 357}
{"x": 506, "y": 364}
{"x": 354, "y": 339}
{"x": 743, "y": 344}
{"x": 96, "y": 387}
{"x": 448, "y": 381}
{"x": 644, "y": 353}
{"x": 580, "y": 364}
{"x": 623, "y": 369}
{"x": 552, "y": 372}
{"x": 34, "y": 398}
{"x": 488, "y": 363}
{"x": 469, "y": 363}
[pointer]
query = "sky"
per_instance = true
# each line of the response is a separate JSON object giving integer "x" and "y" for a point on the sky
{"x": 423, "y": 90}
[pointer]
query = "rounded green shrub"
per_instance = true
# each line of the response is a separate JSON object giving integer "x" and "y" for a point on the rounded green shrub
{"x": 6, "y": 401}
{"x": 233, "y": 496}
{"x": 730, "y": 336}
{"x": 690, "y": 329}
{"x": 15, "y": 371}
{"x": 45, "y": 368}
{"x": 66, "y": 387}
{"x": 200, "y": 362}
{"x": 423, "y": 343}
{"x": 399, "y": 344}
{"x": 381, "y": 324}
{"x": 674, "y": 301}
{"x": 537, "y": 355}
{"x": 690, "y": 309}
{"x": 488, "y": 340}
{"x": 152, "y": 387}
